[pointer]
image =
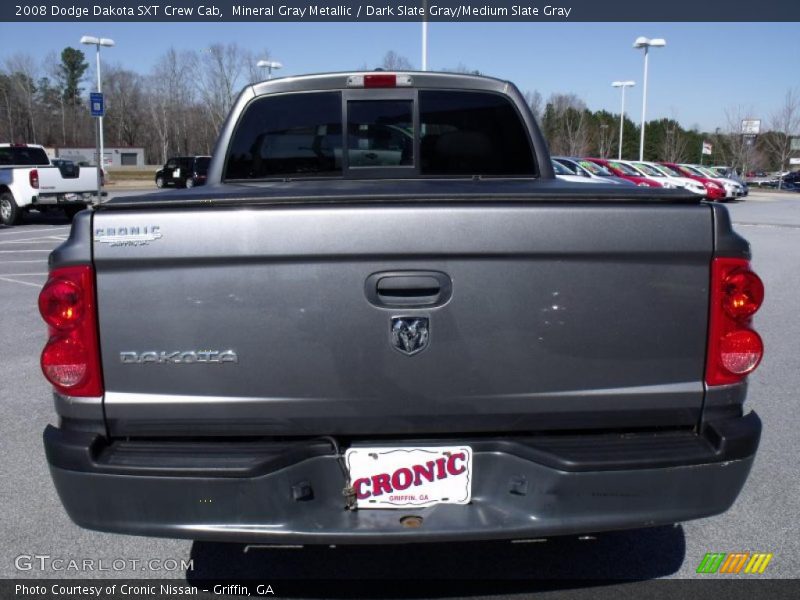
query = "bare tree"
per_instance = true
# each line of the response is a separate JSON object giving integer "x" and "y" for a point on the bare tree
{"x": 783, "y": 124}
{"x": 126, "y": 117}
{"x": 255, "y": 73}
{"x": 50, "y": 65}
{"x": 221, "y": 71}
{"x": 169, "y": 93}
{"x": 735, "y": 149}
{"x": 7, "y": 93}
{"x": 566, "y": 125}
{"x": 535, "y": 102}
{"x": 673, "y": 145}
{"x": 606, "y": 136}
{"x": 23, "y": 71}
{"x": 392, "y": 61}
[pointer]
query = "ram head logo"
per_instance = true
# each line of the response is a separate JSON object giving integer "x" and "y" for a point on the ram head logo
{"x": 410, "y": 335}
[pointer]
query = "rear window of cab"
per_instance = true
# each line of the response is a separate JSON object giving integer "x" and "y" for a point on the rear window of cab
{"x": 23, "y": 156}
{"x": 455, "y": 133}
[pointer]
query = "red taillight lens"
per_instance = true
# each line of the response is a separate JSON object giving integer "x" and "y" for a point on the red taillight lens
{"x": 743, "y": 293}
{"x": 734, "y": 349}
{"x": 71, "y": 358}
{"x": 33, "y": 178}
{"x": 60, "y": 303}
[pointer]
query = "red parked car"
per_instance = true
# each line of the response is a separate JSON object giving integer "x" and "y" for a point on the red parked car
{"x": 625, "y": 172}
{"x": 714, "y": 190}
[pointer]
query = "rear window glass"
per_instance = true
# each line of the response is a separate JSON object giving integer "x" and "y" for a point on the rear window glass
{"x": 23, "y": 156}
{"x": 380, "y": 133}
{"x": 624, "y": 169}
{"x": 472, "y": 133}
{"x": 648, "y": 170}
{"x": 560, "y": 169}
{"x": 201, "y": 164}
{"x": 460, "y": 133}
{"x": 294, "y": 135}
{"x": 670, "y": 171}
{"x": 692, "y": 170}
{"x": 595, "y": 169}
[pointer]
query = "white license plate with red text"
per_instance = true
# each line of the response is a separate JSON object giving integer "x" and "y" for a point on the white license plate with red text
{"x": 394, "y": 477}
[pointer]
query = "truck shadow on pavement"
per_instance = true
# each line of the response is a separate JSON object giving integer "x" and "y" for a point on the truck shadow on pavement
{"x": 55, "y": 217}
{"x": 440, "y": 569}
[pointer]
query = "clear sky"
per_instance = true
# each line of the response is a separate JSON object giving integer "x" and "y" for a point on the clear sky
{"x": 705, "y": 68}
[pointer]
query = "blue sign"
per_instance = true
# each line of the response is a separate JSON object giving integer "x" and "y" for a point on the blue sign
{"x": 97, "y": 104}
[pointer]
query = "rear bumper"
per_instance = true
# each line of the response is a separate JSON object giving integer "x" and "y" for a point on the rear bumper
{"x": 292, "y": 493}
{"x": 65, "y": 199}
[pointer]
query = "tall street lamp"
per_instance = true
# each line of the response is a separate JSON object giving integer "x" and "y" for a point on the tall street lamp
{"x": 97, "y": 42}
{"x": 646, "y": 43}
{"x": 269, "y": 65}
{"x": 623, "y": 85}
{"x": 425, "y": 35}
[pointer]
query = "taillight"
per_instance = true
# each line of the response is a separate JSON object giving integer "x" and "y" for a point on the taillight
{"x": 734, "y": 349}
{"x": 33, "y": 178}
{"x": 742, "y": 293}
{"x": 71, "y": 358}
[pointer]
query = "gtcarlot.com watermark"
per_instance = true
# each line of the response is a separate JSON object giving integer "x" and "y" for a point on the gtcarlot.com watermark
{"x": 60, "y": 564}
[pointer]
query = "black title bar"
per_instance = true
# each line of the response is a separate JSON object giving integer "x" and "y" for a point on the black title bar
{"x": 449, "y": 11}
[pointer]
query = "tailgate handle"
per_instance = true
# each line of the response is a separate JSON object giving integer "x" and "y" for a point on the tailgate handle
{"x": 408, "y": 288}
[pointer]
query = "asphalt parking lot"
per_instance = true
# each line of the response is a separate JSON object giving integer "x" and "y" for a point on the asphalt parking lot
{"x": 764, "y": 519}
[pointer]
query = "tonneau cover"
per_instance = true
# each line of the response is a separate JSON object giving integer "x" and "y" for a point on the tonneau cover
{"x": 324, "y": 191}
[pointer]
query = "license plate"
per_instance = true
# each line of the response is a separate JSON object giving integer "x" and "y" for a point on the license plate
{"x": 402, "y": 477}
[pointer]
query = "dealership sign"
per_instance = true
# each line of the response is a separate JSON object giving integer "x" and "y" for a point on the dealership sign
{"x": 707, "y": 148}
{"x": 751, "y": 126}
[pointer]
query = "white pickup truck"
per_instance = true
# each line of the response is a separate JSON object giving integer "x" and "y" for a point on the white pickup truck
{"x": 28, "y": 180}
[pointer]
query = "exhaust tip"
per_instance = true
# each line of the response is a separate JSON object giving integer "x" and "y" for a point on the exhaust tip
{"x": 411, "y": 522}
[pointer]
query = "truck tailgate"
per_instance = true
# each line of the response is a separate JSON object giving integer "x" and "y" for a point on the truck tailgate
{"x": 258, "y": 321}
{"x": 51, "y": 181}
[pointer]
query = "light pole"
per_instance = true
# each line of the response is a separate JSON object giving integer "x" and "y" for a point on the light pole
{"x": 269, "y": 65}
{"x": 425, "y": 35}
{"x": 646, "y": 43}
{"x": 108, "y": 43}
{"x": 623, "y": 85}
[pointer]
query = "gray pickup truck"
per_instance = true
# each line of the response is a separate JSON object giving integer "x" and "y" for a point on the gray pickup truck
{"x": 384, "y": 320}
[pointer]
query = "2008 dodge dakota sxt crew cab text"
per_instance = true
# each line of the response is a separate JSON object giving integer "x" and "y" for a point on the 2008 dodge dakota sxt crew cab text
{"x": 384, "y": 320}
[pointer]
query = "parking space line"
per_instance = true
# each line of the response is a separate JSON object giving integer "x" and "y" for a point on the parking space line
{"x": 36, "y": 285}
{"x": 767, "y": 225}
{"x": 21, "y": 274}
{"x": 23, "y": 250}
{"x": 51, "y": 230}
{"x": 39, "y": 240}
{"x": 12, "y": 262}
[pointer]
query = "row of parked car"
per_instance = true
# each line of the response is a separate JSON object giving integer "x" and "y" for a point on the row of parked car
{"x": 714, "y": 183}
{"x": 788, "y": 180}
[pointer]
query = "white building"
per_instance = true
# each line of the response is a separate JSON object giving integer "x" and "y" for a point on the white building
{"x": 112, "y": 156}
